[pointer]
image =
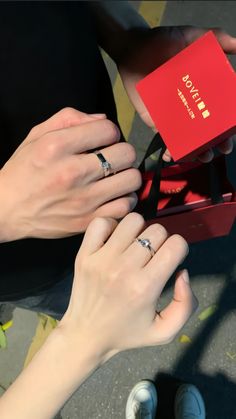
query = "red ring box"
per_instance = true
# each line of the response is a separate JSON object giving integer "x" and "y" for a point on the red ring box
{"x": 185, "y": 203}
{"x": 192, "y": 98}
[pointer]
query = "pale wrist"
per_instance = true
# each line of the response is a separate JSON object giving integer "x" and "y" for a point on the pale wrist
{"x": 62, "y": 364}
{"x": 72, "y": 341}
{"x": 92, "y": 347}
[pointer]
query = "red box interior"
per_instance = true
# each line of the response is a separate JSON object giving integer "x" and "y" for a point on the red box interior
{"x": 185, "y": 206}
{"x": 186, "y": 187}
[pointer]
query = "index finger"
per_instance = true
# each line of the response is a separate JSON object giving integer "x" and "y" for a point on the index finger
{"x": 88, "y": 136}
{"x": 97, "y": 233}
{"x": 65, "y": 118}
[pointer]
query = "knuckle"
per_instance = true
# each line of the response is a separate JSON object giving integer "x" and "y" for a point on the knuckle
{"x": 99, "y": 223}
{"x": 180, "y": 244}
{"x": 115, "y": 274}
{"x": 45, "y": 150}
{"x": 124, "y": 208}
{"x": 135, "y": 218}
{"x": 138, "y": 294}
{"x": 66, "y": 177}
{"x": 129, "y": 151}
{"x": 68, "y": 116}
{"x": 50, "y": 145}
{"x": 159, "y": 230}
{"x": 67, "y": 113}
{"x": 168, "y": 256}
{"x": 78, "y": 170}
{"x": 134, "y": 179}
{"x": 112, "y": 131}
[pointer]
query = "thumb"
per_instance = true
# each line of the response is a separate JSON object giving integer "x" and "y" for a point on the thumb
{"x": 65, "y": 118}
{"x": 170, "y": 321}
{"x": 227, "y": 42}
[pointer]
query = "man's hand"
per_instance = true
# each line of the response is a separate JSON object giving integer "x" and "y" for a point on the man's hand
{"x": 53, "y": 186}
{"x": 148, "y": 49}
{"x": 117, "y": 286}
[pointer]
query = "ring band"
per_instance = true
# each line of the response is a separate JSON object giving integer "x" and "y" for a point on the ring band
{"x": 146, "y": 243}
{"x": 106, "y": 166}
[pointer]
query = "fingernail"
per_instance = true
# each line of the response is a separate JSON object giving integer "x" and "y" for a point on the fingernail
{"x": 166, "y": 158}
{"x": 207, "y": 156}
{"x": 98, "y": 115}
{"x": 227, "y": 147}
{"x": 134, "y": 201}
{"x": 185, "y": 276}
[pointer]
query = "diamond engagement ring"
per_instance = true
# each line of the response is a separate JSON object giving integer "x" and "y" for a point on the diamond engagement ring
{"x": 146, "y": 243}
{"x": 106, "y": 166}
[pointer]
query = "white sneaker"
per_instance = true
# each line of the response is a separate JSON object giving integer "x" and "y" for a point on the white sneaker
{"x": 142, "y": 401}
{"x": 189, "y": 403}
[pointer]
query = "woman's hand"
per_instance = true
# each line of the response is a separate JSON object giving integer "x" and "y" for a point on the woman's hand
{"x": 118, "y": 283}
{"x": 116, "y": 287}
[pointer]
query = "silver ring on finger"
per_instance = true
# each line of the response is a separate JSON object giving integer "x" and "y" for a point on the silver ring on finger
{"x": 146, "y": 243}
{"x": 106, "y": 166}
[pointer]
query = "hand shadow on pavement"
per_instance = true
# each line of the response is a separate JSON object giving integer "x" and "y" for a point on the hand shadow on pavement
{"x": 218, "y": 390}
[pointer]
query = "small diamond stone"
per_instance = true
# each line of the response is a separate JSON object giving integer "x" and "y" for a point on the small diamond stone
{"x": 145, "y": 242}
{"x": 106, "y": 165}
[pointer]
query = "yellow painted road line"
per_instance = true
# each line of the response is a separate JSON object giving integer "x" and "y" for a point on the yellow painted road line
{"x": 152, "y": 11}
{"x": 45, "y": 326}
{"x": 3, "y": 338}
{"x": 7, "y": 325}
{"x": 125, "y": 110}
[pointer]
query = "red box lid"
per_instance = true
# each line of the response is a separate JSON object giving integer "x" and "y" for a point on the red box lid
{"x": 191, "y": 98}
